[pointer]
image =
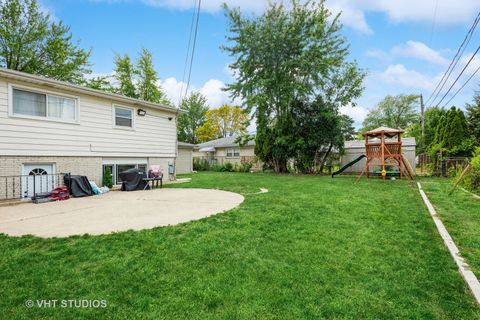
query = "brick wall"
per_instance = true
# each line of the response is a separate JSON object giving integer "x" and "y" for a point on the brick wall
{"x": 13, "y": 166}
{"x": 163, "y": 163}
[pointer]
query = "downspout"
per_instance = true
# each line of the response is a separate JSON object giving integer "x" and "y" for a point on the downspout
{"x": 176, "y": 148}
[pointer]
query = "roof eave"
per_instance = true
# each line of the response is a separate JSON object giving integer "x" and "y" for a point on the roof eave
{"x": 38, "y": 80}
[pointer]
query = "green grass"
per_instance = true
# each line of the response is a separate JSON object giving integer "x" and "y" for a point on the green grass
{"x": 312, "y": 247}
{"x": 460, "y": 212}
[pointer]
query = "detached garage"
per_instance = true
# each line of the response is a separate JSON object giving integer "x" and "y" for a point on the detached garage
{"x": 184, "y": 162}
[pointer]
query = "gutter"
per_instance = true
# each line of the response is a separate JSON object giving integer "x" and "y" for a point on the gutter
{"x": 42, "y": 81}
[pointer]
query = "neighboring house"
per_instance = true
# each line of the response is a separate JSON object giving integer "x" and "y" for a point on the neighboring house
{"x": 184, "y": 163}
{"x": 225, "y": 150}
{"x": 49, "y": 126}
{"x": 355, "y": 148}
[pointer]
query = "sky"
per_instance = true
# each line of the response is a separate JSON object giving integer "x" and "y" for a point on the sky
{"x": 404, "y": 45}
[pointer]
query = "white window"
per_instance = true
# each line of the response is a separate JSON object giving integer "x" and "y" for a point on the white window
{"x": 123, "y": 117}
{"x": 61, "y": 108}
{"x": 43, "y": 105}
{"x": 234, "y": 152}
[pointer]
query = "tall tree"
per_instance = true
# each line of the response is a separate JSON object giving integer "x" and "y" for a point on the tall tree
{"x": 432, "y": 119}
{"x": 224, "y": 121}
{"x": 451, "y": 134}
{"x": 473, "y": 117}
{"x": 195, "y": 109}
{"x": 347, "y": 128}
{"x": 398, "y": 112}
{"x": 99, "y": 83}
{"x": 124, "y": 75}
{"x": 31, "y": 42}
{"x": 147, "y": 84}
{"x": 285, "y": 56}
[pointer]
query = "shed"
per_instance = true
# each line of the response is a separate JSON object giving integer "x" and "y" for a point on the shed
{"x": 355, "y": 148}
{"x": 184, "y": 163}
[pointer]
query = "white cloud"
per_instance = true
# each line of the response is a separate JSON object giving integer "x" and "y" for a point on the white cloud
{"x": 421, "y": 51}
{"x": 397, "y": 74}
{"x": 448, "y": 12}
{"x": 212, "y": 90}
{"x": 210, "y": 5}
{"x": 411, "y": 49}
{"x": 351, "y": 15}
{"x": 357, "y": 113}
{"x": 173, "y": 89}
{"x": 474, "y": 64}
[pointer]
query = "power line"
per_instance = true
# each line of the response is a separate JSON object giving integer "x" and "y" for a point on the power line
{"x": 458, "y": 77}
{"x": 454, "y": 62}
{"x": 468, "y": 80}
{"x": 188, "y": 53}
{"x": 194, "y": 44}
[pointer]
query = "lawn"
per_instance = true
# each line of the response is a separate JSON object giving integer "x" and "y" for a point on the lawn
{"x": 312, "y": 247}
{"x": 460, "y": 212}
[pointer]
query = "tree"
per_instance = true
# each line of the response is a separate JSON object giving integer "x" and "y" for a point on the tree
{"x": 124, "y": 76}
{"x": 224, "y": 121}
{"x": 473, "y": 117}
{"x": 432, "y": 119}
{"x": 195, "y": 108}
{"x": 451, "y": 134}
{"x": 396, "y": 112}
{"x": 31, "y": 43}
{"x": 284, "y": 59}
{"x": 147, "y": 83}
{"x": 347, "y": 128}
{"x": 107, "y": 177}
{"x": 99, "y": 83}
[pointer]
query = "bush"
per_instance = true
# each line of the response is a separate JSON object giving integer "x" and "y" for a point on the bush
{"x": 227, "y": 167}
{"x": 246, "y": 166}
{"x": 107, "y": 178}
{"x": 472, "y": 179}
{"x": 200, "y": 164}
{"x": 216, "y": 167}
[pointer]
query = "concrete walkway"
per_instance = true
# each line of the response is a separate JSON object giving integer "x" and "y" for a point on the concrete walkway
{"x": 115, "y": 211}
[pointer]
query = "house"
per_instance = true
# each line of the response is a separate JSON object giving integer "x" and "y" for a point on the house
{"x": 49, "y": 126}
{"x": 355, "y": 148}
{"x": 225, "y": 150}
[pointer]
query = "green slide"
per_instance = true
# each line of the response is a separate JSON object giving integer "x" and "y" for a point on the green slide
{"x": 351, "y": 163}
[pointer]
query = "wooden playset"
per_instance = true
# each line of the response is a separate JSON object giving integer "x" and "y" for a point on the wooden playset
{"x": 383, "y": 147}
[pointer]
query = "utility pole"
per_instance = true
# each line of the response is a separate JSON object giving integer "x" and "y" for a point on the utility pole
{"x": 422, "y": 125}
{"x": 422, "y": 119}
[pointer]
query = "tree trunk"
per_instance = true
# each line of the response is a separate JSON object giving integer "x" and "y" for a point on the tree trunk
{"x": 280, "y": 166}
{"x": 322, "y": 164}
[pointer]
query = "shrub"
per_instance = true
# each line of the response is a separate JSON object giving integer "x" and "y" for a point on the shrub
{"x": 107, "y": 178}
{"x": 215, "y": 167}
{"x": 246, "y": 166}
{"x": 200, "y": 164}
{"x": 472, "y": 179}
{"x": 227, "y": 167}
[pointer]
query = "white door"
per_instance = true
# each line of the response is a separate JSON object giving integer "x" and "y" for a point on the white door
{"x": 37, "y": 178}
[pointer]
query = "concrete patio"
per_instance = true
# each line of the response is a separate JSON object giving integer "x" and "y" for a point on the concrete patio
{"x": 115, "y": 211}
